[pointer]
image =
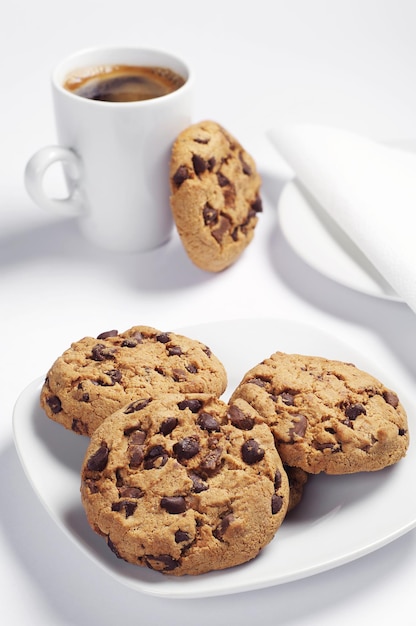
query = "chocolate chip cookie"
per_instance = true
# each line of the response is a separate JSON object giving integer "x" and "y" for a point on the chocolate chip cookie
{"x": 326, "y": 416}
{"x": 97, "y": 376}
{"x": 215, "y": 195}
{"x": 297, "y": 478}
{"x": 184, "y": 483}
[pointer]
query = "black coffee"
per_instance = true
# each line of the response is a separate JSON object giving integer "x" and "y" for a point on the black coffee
{"x": 123, "y": 83}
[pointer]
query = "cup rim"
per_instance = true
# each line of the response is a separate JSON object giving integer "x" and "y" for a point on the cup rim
{"x": 116, "y": 52}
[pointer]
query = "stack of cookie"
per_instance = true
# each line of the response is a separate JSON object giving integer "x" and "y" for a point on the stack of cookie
{"x": 178, "y": 480}
{"x": 174, "y": 478}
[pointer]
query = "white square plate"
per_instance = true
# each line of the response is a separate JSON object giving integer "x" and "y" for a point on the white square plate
{"x": 340, "y": 518}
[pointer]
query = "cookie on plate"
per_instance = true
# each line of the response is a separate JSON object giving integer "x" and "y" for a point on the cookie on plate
{"x": 215, "y": 195}
{"x": 184, "y": 484}
{"x": 97, "y": 376}
{"x": 297, "y": 478}
{"x": 327, "y": 416}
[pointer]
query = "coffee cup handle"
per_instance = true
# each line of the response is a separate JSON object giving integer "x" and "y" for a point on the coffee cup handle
{"x": 35, "y": 171}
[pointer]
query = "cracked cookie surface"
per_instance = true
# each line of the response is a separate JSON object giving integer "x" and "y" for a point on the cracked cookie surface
{"x": 326, "y": 416}
{"x": 97, "y": 376}
{"x": 184, "y": 483}
{"x": 215, "y": 195}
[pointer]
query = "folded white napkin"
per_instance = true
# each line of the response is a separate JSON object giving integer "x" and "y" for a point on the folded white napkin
{"x": 369, "y": 189}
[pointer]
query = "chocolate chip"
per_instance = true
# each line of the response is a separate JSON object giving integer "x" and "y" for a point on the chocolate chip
{"x": 245, "y": 166}
{"x": 239, "y": 419}
{"x": 115, "y": 376}
{"x": 129, "y": 343}
{"x": 181, "y": 536}
{"x": 299, "y": 425}
{"x": 222, "y": 526}
{"x": 137, "y": 437}
{"x": 155, "y": 458}
{"x": 192, "y": 404}
{"x": 198, "y": 484}
{"x": 54, "y": 404}
{"x": 211, "y": 163}
{"x": 287, "y": 398}
{"x": 131, "y": 429}
{"x": 257, "y": 205}
{"x": 166, "y": 560}
{"x": 136, "y": 405}
{"x": 107, "y": 334}
{"x": 277, "y": 480}
{"x": 191, "y": 368}
{"x": 222, "y": 180}
{"x": 180, "y": 175}
{"x": 174, "y": 351}
{"x": 179, "y": 375}
{"x": 163, "y": 338}
{"x": 391, "y": 398}
{"x": 133, "y": 340}
{"x": 323, "y": 446}
{"x": 212, "y": 462}
{"x": 98, "y": 461}
{"x": 168, "y": 425}
{"x": 199, "y": 164}
{"x": 209, "y": 214}
{"x": 224, "y": 226}
{"x": 136, "y": 455}
{"x": 173, "y": 504}
{"x": 251, "y": 452}
{"x": 213, "y": 441}
{"x": 186, "y": 448}
{"x": 128, "y": 507}
{"x": 244, "y": 225}
{"x": 101, "y": 352}
{"x": 130, "y": 492}
{"x": 208, "y": 422}
{"x": 205, "y": 140}
{"x": 119, "y": 478}
{"x": 104, "y": 382}
{"x": 257, "y": 381}
{"x": 92, "y": 485}
{"x": 113, "y": 548}
{"x": 277, "y": 503}
{"x": 77, "y": 426}
{"x": 352, "y": 411}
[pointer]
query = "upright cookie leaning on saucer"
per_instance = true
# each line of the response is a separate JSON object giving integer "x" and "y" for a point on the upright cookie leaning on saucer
{"x": 326, "y": 415}
{"x": 184, "y": 484}
{"x": 97, "y": 376}
{"x": 215, "y": 195}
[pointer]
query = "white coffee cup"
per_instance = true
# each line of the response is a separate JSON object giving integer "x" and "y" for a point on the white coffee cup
{"x": 115, "y": 155}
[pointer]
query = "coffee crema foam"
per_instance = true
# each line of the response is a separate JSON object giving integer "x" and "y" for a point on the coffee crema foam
{"x": 123, "y": 83}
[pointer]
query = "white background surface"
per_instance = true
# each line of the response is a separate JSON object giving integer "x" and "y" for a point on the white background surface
{"x": 347, "y": 63}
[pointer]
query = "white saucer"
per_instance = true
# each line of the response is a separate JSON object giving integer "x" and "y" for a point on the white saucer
{"x": 340, "y": 518}
{"x": 320, "y": 242}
